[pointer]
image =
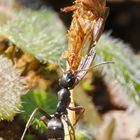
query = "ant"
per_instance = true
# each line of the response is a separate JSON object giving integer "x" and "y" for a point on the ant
{"x": 55, "y": 125}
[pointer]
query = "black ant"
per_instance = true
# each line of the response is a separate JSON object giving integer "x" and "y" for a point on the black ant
{"x": 55, "y": 125}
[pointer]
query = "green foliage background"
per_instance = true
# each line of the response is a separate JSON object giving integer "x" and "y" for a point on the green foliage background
{"x": 42, "y": 34}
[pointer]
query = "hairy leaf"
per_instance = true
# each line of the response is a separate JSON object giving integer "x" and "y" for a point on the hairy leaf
{"x": 11, "y": 88}
{"x": 126, "y": 64}
{"x": 39, "y": 33}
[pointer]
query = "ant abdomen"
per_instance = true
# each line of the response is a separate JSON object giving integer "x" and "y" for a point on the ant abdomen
{"x": 55, "y": 129}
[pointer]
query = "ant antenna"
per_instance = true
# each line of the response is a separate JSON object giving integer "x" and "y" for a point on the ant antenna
{"x": 92, "y": 67}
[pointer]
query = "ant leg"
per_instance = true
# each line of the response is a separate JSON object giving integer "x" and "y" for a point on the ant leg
{"x": 31, "y": 118}
{"x": 69, "y": 125}
{"x": 44, "y": 113}
{"x": 77, "y": 108}
{"x": 69, "y": 133}
{"x": 29, "y": 122}
{"x": 70, "y": 128}
{"x": 43, "y": 118}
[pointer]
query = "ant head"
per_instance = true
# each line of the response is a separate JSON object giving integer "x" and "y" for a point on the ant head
{"x": 67, "y": 80}
{"x": 55, "y": 129}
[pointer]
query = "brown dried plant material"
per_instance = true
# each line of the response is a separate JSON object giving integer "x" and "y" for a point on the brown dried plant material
{"x": 86, "y": 27}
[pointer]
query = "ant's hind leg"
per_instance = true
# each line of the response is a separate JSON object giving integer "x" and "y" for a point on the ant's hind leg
{"x": 70, "y": 125}
{"x": 31, "y": 118}
{"x": 77, "y": 108}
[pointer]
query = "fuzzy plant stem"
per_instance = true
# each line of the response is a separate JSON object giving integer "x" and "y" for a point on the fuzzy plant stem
{"x": 71, "y": 115}
{"x": 11, "y": 89}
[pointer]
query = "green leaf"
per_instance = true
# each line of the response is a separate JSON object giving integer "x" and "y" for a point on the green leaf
{"x": 39, "y": 33}
{"x": 126, "y": 67}
{"x": 38, "y": 99}
{"x": 29, "y": 137}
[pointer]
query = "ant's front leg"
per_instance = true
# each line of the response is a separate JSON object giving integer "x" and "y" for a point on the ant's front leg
{"x": 31, "y": 118}
{"x": 77, "y": 108}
